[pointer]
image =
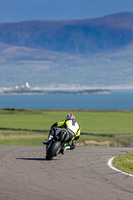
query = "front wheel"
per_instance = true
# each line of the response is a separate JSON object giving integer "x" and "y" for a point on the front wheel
{"x": 53, "y": 150}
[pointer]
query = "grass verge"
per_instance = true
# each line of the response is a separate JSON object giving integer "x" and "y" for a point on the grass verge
{"x": 124, "y": 162}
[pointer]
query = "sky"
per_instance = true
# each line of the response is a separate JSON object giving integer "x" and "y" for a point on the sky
{"x": 21, "y": 10}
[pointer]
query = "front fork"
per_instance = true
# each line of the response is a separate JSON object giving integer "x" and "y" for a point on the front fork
{"x": 48, "y": 146}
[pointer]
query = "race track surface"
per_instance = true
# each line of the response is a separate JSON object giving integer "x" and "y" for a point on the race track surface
{"x": 81, "y": 174}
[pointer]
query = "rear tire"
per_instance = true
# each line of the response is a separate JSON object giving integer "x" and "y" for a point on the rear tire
{"x": 53, "y": 150}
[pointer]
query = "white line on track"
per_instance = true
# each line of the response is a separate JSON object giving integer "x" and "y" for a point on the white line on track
{"x": 110, "y": 161}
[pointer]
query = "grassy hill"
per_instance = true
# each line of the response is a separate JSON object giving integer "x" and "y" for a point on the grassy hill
{"x": 94, "y": 52}
{"x": 75, "y": 36}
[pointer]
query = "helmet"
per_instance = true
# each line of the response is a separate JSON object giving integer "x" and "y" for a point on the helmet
{"x": 70, "y": 116}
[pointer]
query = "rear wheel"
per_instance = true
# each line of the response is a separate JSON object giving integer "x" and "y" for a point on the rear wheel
{"x": 53, "y": 150}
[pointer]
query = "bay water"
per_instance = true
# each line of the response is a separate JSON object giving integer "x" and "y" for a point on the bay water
{"x": 120, "y": 100}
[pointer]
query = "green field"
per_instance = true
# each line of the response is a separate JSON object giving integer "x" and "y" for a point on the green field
{"x": 31, "y": 127}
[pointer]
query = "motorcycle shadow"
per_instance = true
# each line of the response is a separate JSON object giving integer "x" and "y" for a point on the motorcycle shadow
{"x": 34, "y": 159}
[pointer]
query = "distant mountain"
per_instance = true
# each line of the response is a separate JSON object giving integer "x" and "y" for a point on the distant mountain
{"x": 93, "y": 52}
{"x": 76, "y": 36}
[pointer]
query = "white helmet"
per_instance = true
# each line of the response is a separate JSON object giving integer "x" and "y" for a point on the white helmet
{"x": 70, "y": 116}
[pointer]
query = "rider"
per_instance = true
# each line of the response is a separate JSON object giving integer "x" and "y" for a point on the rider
{"x": 73, "y": 128}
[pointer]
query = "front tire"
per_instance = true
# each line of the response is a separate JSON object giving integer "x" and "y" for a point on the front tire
{"x": 53, "y": 150}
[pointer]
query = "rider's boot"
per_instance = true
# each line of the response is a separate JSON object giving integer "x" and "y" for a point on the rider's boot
{"x": 64, "y": 149}
{"x": 49, "y": 139}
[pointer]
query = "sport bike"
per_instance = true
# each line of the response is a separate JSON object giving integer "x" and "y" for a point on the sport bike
{"x": 57, "y": 143}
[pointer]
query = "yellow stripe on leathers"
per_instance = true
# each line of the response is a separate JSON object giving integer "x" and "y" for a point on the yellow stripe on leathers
{"x": 67, "y": 123}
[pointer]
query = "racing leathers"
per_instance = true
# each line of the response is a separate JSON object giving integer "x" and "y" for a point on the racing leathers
{"x": 73, "y": 128}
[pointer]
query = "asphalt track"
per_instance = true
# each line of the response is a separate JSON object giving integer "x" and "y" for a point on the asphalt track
{"x": 81, "y": 174}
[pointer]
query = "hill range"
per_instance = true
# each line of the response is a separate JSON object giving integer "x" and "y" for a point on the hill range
{"x": 91, "y": 52}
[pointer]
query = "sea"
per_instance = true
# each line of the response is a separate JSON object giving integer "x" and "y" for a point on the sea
{"x": 121, "y": 99}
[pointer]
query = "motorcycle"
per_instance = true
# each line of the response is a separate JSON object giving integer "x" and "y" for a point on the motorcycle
{"x": 57, "y": 143}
